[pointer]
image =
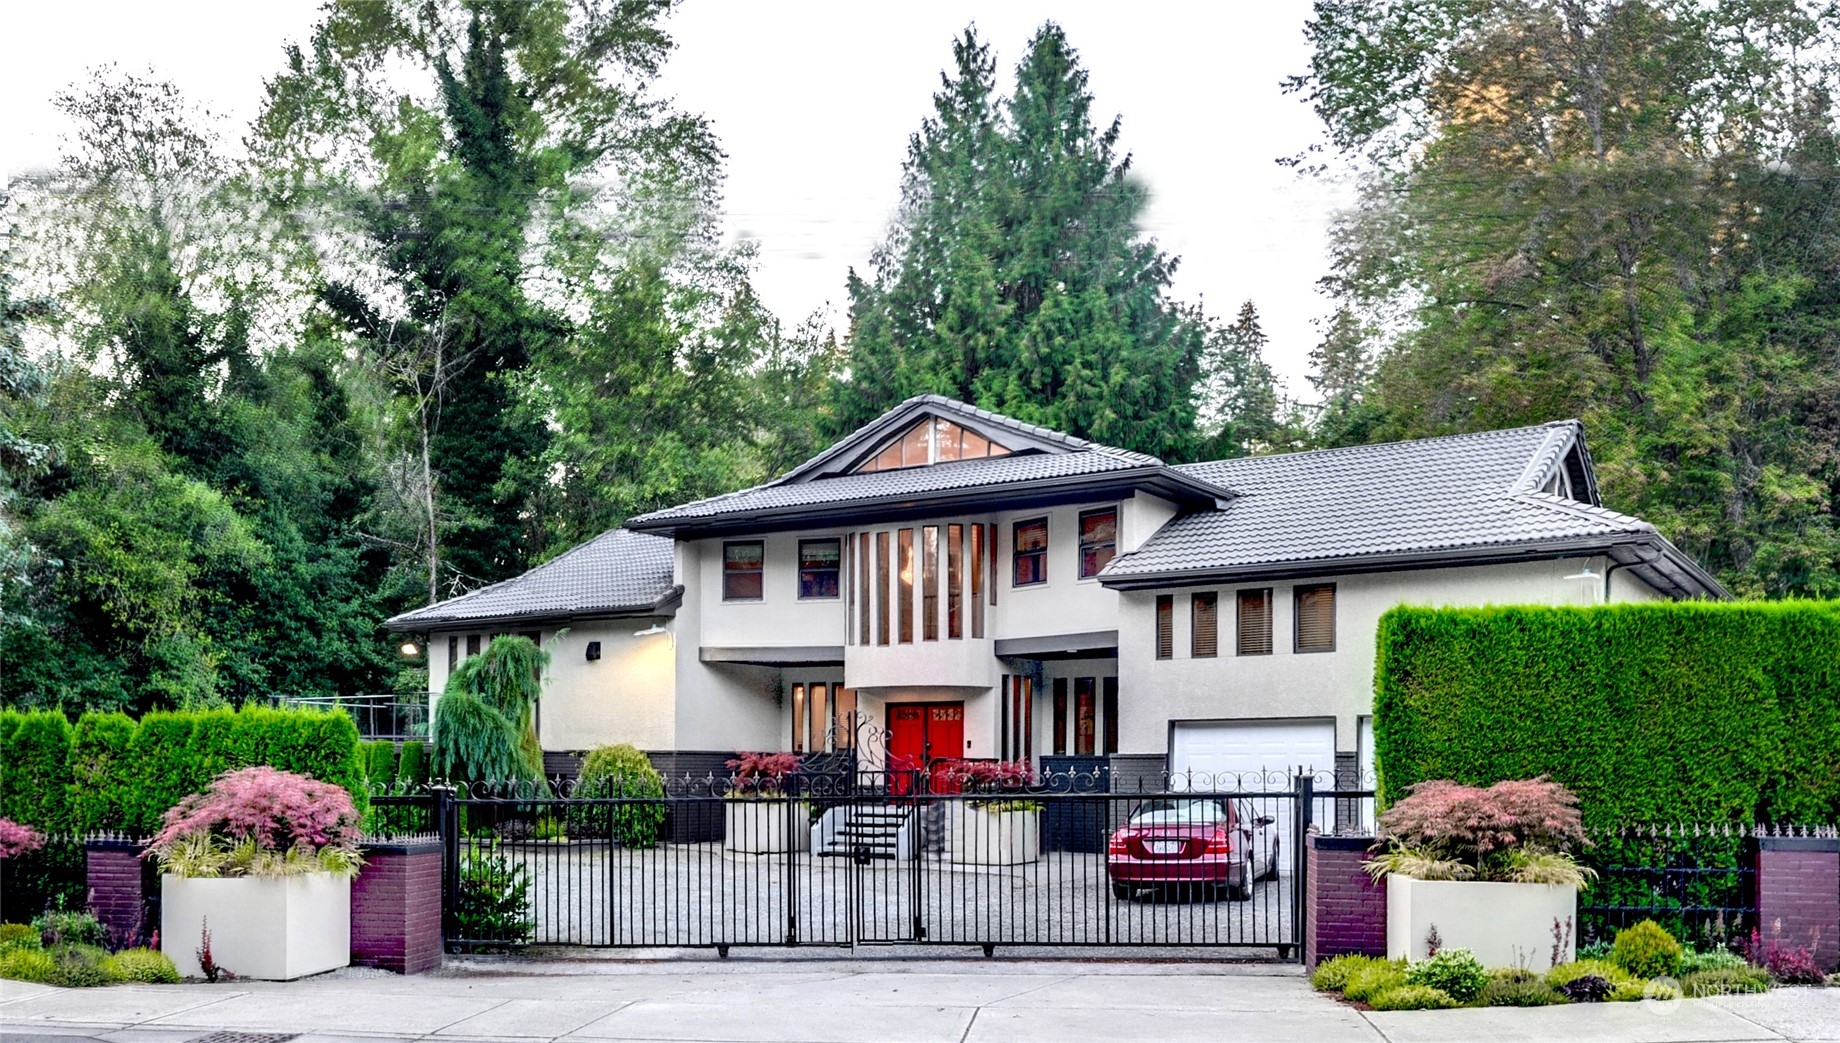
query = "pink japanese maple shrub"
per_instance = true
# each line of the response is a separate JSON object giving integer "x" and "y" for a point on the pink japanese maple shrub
{"x": 762, "y": 774}
{"x": 1522, "y": 829}
{"x": 16, "y": 840}
{"x": 260, "y": 821}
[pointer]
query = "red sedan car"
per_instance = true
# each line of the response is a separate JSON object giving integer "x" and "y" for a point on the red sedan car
{"x": 1213, "y": 842}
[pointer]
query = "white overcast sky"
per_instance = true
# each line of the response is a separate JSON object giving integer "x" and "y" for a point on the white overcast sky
{"x": 814, "y": 102}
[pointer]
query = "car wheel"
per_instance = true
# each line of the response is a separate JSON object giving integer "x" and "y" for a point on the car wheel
{"x": 1271, "y": 869}
{"x": 1123, "y": 892}
{"x": 1239, "y": 892}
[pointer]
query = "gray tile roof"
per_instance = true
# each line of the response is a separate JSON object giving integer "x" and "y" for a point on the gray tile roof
{"x": 909, "y": 481}
{"x": 1340, "y": 507}
{"x": 617, "y": 572}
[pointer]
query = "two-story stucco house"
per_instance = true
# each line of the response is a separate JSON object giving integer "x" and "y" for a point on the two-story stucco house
{"x": 981, "y": 587}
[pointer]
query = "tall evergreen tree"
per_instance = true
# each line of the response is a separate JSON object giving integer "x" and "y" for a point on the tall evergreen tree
{"x": 1015, "y": 276}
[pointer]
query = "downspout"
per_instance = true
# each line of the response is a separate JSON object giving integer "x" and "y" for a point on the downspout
{"x": 1614, "y": 565}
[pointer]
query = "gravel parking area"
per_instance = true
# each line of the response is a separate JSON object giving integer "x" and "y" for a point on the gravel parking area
{"x": 701, "y": 895}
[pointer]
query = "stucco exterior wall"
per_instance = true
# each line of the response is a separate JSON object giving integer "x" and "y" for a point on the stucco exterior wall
{"x": 719, "y": 706}
{"x": 625, "y": 696}
{"x": 1065, "y": 604}
{"x": 1286, "y": 683}
{"x": 780, "y": 617}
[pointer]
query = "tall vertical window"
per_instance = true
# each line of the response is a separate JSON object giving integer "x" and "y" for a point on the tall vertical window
{"x": 1254, "y": 623}
{"x": 743, "y": 563}
{"x": 977, "y": 580}
{"x": 799, "y": 723}
{"x": 905, "y": 610}
{"x": 955, "y": 581}
{"x": 1059, "y": 740}
{"x": 991, "y": 539}
{"x": 864, "y": 598}
{"x": 844, "y": 713}
{"x": 1098, "y": 540}
{"x": 1165, "y": 626}
{"x": 1016, "y": 719}
{"x": 1109, "y": 688}
{"x": 929, "y": 582}
{"x": 1030, "y": 553}
{"x": 453, "y": 653}
{"x": 820, "y": 563}
{"x": 849, "y": 596}
{"x": 472, "y": 644}
{"x": 1085, "y": 716}
{"x": 820, "y": 717}
{"x": 881, "y": 588}
{"x": 1316, "y": 618}
{"x": 1204, "y": 625}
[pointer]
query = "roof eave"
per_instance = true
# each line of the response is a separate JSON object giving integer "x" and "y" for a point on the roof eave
{"x": 666, "y": 604}
{"x": 1680, "y": 577}
{"x": 1157, "y": 479}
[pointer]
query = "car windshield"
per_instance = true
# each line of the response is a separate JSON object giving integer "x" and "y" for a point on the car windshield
{"x": 1164, "y": 812}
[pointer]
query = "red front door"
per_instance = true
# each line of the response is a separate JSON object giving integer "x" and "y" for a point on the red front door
{"x": 920, "y": 734}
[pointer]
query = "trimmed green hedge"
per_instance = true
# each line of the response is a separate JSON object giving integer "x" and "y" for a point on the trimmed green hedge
{"x": 1652, "y": 713}
{"x": 112, "y": 773}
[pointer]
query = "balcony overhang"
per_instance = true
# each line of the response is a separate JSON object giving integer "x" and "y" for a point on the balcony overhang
{"x": 773, "y": 655}
{"x": 1094, "y": 644}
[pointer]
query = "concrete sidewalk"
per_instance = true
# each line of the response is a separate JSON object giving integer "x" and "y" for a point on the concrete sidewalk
{"x": 760, "y": 1000}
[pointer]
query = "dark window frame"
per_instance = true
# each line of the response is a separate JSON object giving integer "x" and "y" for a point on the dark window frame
{"x": 760, "y": 573}
{"x": 1017, "y": 554}
{"x": 837, "y": 579}
{"x": 1079, "y": 534}
{"x": 1297, "y": 593}
{"x": 1239, "y": 621}
{"x": 1165, "y": 626}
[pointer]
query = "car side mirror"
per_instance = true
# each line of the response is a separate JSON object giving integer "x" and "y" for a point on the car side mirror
{"x": 1263, "y": 820}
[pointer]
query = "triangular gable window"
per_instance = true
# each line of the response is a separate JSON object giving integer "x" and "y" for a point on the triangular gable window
{"x": 932, "y": 441}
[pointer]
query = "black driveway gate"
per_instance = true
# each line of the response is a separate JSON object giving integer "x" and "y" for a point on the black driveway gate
{"x": 861, "y": 857}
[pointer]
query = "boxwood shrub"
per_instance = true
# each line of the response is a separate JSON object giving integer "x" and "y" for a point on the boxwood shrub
{"x": 1653, "y": 713}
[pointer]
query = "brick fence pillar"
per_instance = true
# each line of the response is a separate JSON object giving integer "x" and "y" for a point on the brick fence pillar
{"x": 396, "y": 907}
{"x": 1346, "y": 908}
{"x": 1798, "y": 894}
{"x": 117, "y": 892}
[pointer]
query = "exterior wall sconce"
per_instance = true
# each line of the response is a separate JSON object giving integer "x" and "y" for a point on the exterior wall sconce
{"x": 594, "y": 651}
{"x": 655, "y": 628}
{"x": 409, "y": 650}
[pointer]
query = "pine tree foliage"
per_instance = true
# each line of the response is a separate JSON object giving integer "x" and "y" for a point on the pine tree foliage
{"x": 1016, "y": 277}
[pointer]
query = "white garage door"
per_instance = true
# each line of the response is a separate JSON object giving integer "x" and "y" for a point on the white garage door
{"x": 1249, "y": 755}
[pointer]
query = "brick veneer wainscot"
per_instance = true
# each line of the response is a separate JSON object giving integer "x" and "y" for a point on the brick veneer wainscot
{"x": 116, "y": 879}
{"x": 1346, "y": 908}
{"x": 1798, "y": 894}
{"x": 396, "y": 907}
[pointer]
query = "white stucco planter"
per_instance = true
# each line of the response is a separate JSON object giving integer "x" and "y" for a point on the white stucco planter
{"x": 978, "y": 836}
{"x": 1506, "y": 925}
{"x": 270, "y": 928}
{"x": 760, "y": 827}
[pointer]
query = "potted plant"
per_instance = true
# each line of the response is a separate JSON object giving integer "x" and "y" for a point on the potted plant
{"x": 1489, "y": 870}
{"x": 257, "y": 876}
{"x": 1001, "y": 826}
{"x": 758, "y": 819}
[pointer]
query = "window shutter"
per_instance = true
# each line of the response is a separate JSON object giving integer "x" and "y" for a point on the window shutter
{"x": 1165, "y": 626}
{"x": 1205, "y": 635}
{"x": 1316, "y": 618}
{"x": 1255, "y": 622}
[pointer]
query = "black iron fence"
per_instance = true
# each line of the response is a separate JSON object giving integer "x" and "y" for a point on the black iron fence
{"x": 1699, "y": 882}
{"x": 849, "y": 857}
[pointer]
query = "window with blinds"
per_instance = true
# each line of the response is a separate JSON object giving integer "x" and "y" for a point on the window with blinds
{"x": 1254, "y": 622}
{"x": 1316, "y": 618}
{"x": 1165, "y": 626}
{"x": 1204, "y": 625}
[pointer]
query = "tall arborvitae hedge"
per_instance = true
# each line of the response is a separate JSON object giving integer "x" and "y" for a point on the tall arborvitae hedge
{"x": 1653, "y": 713}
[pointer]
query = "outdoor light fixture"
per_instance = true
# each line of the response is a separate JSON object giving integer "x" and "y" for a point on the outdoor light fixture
{"x": 655, "y": 628}
{"x": 409, "y": 650}
{"x": 594, "y": 651}
{"x": 1588, "y": 577}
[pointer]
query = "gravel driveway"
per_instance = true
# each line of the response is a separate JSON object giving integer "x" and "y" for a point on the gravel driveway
{"x": 699, "y": 894}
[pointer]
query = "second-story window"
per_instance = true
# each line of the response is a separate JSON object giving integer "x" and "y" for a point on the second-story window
{"x": 743, "y": 563}
{"x": 1165, "y": 627}
{"x": 1098, "y": 540}
{"x": 1254, "y": 625}
{"x": 1315, "y": 618}
{"x": 1030, "y": 553}
{"x": 820, "y": 566}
